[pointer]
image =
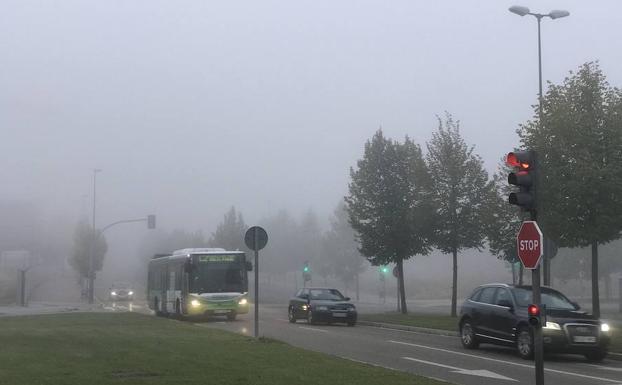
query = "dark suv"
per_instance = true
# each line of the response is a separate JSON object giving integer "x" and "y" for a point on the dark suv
{"x": 497, "y": 314}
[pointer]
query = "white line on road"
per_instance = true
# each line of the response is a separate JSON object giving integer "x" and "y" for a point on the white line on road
{"x": 314, "y": 329}
{"x": 468, "y": 372}
{"x": 607, "y": 368}
{"x": 505, "y": 362}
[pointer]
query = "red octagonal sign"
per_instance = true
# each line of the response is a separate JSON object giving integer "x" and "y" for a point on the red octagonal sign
{"x": 529, "y": 244}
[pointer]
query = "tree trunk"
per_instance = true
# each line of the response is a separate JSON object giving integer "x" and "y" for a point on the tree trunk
{"x": 356, "y": 278}
{"x": 400, "y": 280}
{"x": 607, "y": 279}
{"x": 595, "y": 296}
{"x": 513, "y": 273}
{"x": 454, "y": 287}
{"x": 521, "y": 270}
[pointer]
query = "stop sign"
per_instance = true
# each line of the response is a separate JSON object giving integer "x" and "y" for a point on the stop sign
{"x": 529, "y": 244}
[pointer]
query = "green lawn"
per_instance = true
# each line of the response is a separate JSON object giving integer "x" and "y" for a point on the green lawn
{"x": 126, "y": 348}
{"x": 443, "y": 322}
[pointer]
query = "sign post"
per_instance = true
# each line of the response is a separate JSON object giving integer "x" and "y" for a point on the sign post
{"x": 529, "y": 245}
{"x": 256, "y": 239}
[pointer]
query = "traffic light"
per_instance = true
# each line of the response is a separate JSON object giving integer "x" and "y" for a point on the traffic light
{"x": 524, "y": 177}
{"x": 537, "y": 315}
{"x": 383, "y": 272}
{"x": 151, "y": 221}
{"x": 306, "y": 272}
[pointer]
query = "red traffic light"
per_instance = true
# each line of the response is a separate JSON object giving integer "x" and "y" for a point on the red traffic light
{"x": 533, "y": 310}
{"x": 514, "y": 159}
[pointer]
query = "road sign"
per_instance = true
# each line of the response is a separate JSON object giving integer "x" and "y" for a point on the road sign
{"x": 256, "y": 238}
{"x": 396, "y": 272}
{"x": 529, "y": 244}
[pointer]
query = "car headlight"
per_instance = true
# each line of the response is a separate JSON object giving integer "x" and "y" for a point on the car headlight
{"x": 130, "y": 293}
{"x": 195, "y": 303}
{"x": 113, "y": 293}
{"x": 243, "y": 301}
{"x": 351, "y": 308}
{"x": 305, "y": 307}
{"x": 321, "y": 308}
{"x": 552, "y": 326}
{"x": 604, "y": 328}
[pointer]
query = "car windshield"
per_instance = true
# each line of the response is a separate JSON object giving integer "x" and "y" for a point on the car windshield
{"x": 326, "y": 294}
{"x": 551, "y": 298}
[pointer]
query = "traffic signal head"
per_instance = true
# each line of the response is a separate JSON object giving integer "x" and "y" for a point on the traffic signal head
{"x": 151, "y": 221}
{"x": 524, "y": 177}
{"x": 384, "y": 269}
{"x": 533, "y": 312}
{"x": 305, "y": 269}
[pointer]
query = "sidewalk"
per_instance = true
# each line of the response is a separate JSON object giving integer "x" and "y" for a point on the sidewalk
{"x": 35, "y": 308}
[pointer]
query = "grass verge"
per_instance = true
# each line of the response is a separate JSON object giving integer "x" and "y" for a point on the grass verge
{"x": 127, "y": 348}
{"x": 443, "y": 322}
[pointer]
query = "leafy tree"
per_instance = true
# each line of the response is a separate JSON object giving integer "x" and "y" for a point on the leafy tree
{"x": 460, "y": 188}
{"x": 230, "y": 232}
{"x": 502, "y": 220}
{"x": 80, "y": 256}
{"x": 579, "y": 142}
{"x": 341, "y": 250}
{"x": 389, "y": 204}
{"x": 283, "y": 252}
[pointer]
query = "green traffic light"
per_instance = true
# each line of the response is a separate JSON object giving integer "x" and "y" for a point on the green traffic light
{"x": 385, "y": 270}
{"x": 306, "y": 269}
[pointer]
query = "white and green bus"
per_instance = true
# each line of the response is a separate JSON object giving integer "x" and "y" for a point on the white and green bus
{"x": 199, "y": 282}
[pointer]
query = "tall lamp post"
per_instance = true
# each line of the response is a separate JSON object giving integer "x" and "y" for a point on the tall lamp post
{"x": 537, "y": 332}
{"x": 92, "y": 240}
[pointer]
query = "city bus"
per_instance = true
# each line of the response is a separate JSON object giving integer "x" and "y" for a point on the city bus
{"x": 199, "y": 282}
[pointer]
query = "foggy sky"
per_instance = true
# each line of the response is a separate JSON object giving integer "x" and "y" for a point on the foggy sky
{"x": 190, "y": 107}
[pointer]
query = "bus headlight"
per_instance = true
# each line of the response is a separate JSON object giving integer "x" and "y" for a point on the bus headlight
{"x": 243, "y": 301}
{"x": 195, "y": 303}
{"x": 604, "y": 328}
{"x": 130, "y": 293}
{"x": 113, "y": 293}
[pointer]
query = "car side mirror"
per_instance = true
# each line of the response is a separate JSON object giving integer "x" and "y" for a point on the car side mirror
{"x": 249, "y": 266}
{"x": 506, "y": 303}
{"x": 346, "y": 299}
{"x": 576, "y": 305}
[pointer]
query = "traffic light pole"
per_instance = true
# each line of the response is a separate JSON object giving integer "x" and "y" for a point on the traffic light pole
{"x": 537, "y": 330}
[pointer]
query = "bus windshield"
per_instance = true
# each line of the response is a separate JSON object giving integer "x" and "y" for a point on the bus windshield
{"x": 218, "y": 274}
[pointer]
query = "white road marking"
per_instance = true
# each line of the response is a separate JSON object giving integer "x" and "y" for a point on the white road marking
{"x": 479, "y": 372}
{"x": 506, "y": 362}
{"x": 314, "y": 329}
{"x": 607, "y": 368}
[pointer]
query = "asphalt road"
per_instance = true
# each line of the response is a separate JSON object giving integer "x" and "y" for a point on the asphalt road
{"x": 433, "y": 356}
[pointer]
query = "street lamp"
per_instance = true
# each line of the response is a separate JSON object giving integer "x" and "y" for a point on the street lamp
{"x": 555, "y": 14}
{"x": 537, "y": 332}
{"x": 92, "y": 240}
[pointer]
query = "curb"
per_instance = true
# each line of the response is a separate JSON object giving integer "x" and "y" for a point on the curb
{"x": 440, "y": 332}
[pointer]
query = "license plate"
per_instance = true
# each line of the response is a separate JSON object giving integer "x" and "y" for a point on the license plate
{"x": 221, "y": 311}
{"x": 584, "y": 339}
{"x": 340, "y": 315}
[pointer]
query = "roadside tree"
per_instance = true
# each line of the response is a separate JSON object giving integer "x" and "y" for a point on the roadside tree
{"x": 460, "y": 188}
{"x": 389, "y": 204}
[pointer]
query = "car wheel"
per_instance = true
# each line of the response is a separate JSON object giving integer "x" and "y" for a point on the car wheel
{"x": 310, "y": 318}
{"x": 596, "y": 355}
{"x": 290, "y": 315}
{"x": 467, "y": 335}
{"x": 352, "y": 323}
{"x": 524, "y": 344}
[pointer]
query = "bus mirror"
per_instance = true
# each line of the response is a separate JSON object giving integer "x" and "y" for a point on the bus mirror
{"x": 249, "y": 266}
